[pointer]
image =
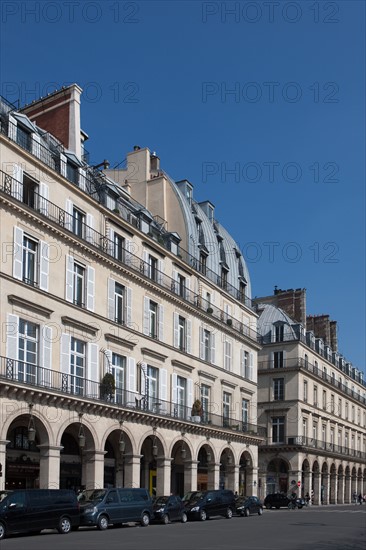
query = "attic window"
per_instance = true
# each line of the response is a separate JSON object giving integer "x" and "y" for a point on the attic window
{"x": 210, "y": 212}
{"x": 189, "y": 194}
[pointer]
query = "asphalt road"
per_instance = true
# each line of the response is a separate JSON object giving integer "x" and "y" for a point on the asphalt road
{"x": 314, "y": 528}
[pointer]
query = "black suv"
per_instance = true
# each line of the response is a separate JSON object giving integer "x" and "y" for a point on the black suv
{"x": 205, "y": 504}
{"x": 276, "y": 500}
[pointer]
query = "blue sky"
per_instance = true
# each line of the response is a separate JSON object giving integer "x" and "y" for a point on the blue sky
{"x": 282, "y": 156}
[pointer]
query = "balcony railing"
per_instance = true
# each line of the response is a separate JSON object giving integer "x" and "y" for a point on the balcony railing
{"x": 310, "y": 443}
{"x": 301, "y": 363}
{"x": 68, "y": 384}
{"x": 95, "y": 239}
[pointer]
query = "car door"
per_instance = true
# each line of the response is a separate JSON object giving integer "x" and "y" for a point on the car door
{"x": 112, "y": 506}
{"x": 15, "y": 512}
{"x": 173, "y": 508}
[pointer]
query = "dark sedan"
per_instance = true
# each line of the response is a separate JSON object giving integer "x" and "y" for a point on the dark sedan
{"x": 248, "y": 505}
{"x": 168, "y": 509}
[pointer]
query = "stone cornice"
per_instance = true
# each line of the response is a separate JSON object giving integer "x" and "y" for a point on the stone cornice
{"x": 27, "y": 304}
{"x": 154, "y": 354}
{"x": 71, "y": 322}
{"x": 120, "y": 341}
{"x": 181, "y": 365}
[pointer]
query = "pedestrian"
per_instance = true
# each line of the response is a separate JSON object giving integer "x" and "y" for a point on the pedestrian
{"x": 354, "y": 496}
{"x": 307, "y": 499}
{"x": 360, "y": 498}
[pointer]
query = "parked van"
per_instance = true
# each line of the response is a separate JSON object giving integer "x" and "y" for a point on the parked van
{"x": 31, "y": 510}
{"x": 204, "y": 504}
{"x": 102, "y": 507}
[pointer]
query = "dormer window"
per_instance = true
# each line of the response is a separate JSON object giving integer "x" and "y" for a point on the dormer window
{"x": 223, "y": 280}
{"x": 72, "y": 173}
{"x": 189, "y": 194}
{"x": 203, "y": 262}
{"x": 279, "y": 332}
{"x": 210, "y": 212}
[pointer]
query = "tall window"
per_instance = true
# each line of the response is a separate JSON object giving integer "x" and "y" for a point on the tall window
{"x": 119, "y": 246}
{"x": 79, "y": 285}
{"x": 305, "y": 428}
{"x": 324, "y": 399}
{"x": 205, "y": 400}
{"x": 346, "y": 410}
{"x": 278, "y": 429}
{"x": 278, "y": 361}
{"x": 278, "y": 389}
{"x": 153, "y": 319}
{"x": 226, "y": 407}
{"x": 30, "y": 188}
{"x": 77, "y": 365}
{"x": 224, "y": 273}
{"x": 315, "y": 431}
{"x": 206, "y": 344}
{"x": 245, "y": 413}
{"x": 279, "y": 333}
{"x": 306, "y": 361}
{"x": 305, "y": 391}
{"x": 119, "y": 303}
{"x": 182, "y": 333}
{"x": 242, "y": 291}
{"x": 28, "y": 351}
{"x": 246, "y": 364}
{"x": 340, "y": 407}
{"x": 119, "y": 373}
{"x": 152, "y": 268}
{"x": 227, "y": 355}
{"x": 181, "y": 286}
{"x": 315, "y": 396}
{"x": 30, "y": 260}
{"x": 152, "y": 385}
{"x": 181, "y": 396}
{"x": 78, "y": 222}
{"x": 324, "y": 434}
{"x": 332, "y": 404}
{"x": 203, "y": 263}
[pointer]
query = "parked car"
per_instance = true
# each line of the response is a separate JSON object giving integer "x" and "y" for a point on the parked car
{"x": 276, "y": 500}
{"x": 168, "y": 509}
{"x": 205, "y": 504}
{"x": 102, "y": 507}
{"x": 248, "y": 505}
{"x": 296, "y": 503}
{"x": 32, "y": 510}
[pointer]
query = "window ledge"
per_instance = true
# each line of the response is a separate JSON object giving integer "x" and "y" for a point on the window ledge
{"x": 121, "y": 341}
{"x": 155, "y": 354}
{"x": 21, "y": 302}
{"x": 182, "y": 365}
{"x": 228, "y": 384}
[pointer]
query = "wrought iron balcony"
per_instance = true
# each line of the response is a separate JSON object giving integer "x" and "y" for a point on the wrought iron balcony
{"x": 309, "y": 443}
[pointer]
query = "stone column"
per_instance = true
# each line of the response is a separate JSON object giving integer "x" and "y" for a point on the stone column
{"x": 213, "y": 475}
{"x": 307, "y": 482}
{"x": 316, "y": 487}
{"x": 3, "y": 444}
{"x": 190, "y": 475}
{"x": 93, "y": 469}
{"x": 235, "y": 478}
{"x": 132, "y": 467}
{"x": 163, "y": 473}
{"x": 49, "y": 466}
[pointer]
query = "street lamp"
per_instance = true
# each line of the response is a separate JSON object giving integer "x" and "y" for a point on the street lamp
{"x": 154, "y": 445}
{"x": 122, "y": 443}
{"x": 81, "y": 436}
{"x": 31, "y": 425}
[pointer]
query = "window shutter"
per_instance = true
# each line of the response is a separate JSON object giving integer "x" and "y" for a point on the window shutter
{"x": 69, "y": 278}
{"x": 89, "y": 228}
{"x": 188, "y": 288}
{"x": 251, "y": 361}
{"x": 131, "y": 375}
{"x": 189, "y": 335}
{"x": 128, "y": 251}
{"x": 63, "y": 164}
{"x": 174, "y": 388}
{"x": 17, "y": 182}
{"x": 111, "y": 308}
{"x": 202, "y": 344}
{"x": 176, "y": 329}
{"x": 161, "y": 322}
{"x": 242, "y": 363}
{"x": 93, "y": 370}
{"x": 43, "y": 265}
{"x": 143, "y": 368}
{"x": 107, "y": 361}
{"x": 128, "y": 306}
{"x": 189, "y": 393}
{"x": 68, "y": 214}
{"x": 46, "y": 355}
{"x": 43, "y": 199}
{"x": 90, "y": 295}
{"x": 110, "y": 241}
{"x": 82, "y": 179}
{"x": 146, "y": 315}
{"x": 18, "y": 253}
{"x": 145, "y": 257}
{"x": 163, "y": 380}
{"x": 12, "y": 336}
{"x": 36, "y": 145}
{"x": 160, "y": 271}
{"x": 12, "y": 130}
{"x": 213, "y": 350}
{"x": 65, "y": 354}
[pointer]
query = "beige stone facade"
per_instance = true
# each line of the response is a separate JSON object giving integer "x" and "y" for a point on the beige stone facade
{"x": 93, "y": 283}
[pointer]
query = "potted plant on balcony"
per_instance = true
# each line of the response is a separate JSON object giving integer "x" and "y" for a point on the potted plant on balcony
{"x": 229, "y": 322}
{"x": 196, "y": 412}
{"x": 107, "y": 387}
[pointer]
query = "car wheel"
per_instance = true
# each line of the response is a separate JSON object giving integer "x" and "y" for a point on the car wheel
{"x": 260, "y": 511}
{"x": 246, "y": 512}
{"x": 268, "y": 506}
{"x": 299, "y": 506}
{"x": 229, "y": 513}
{"x": 203, "y": 515}
{"x": 165, "y": 519}
{"x": 145, "y": 519}
{"x": 184, "y": 518}
{"x": 102, "y": 523}
{"x": 64, "y": 526}
{"x": 2, "y": 531}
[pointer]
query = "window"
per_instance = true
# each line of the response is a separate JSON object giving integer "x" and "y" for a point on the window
{"x": 24, "y": 138}
{"x": 119, "y": 303}
{"x": 324, "y": 433}
{"x": 316, "y": 396}
{"x": 153, "y": 319}
{"x": 340, "y": 407}
{"x": 119, "y": 373}
{"x": 30, "y": 188}
{"x": 346, "y": 414}
{"x": 306, "y": 361}
{"x": 119, "y": 245}
{"x": 28, "y": 351}
{"x": 30, "y": 260}
{"x": 227, "y": 355}
{"x": 242, "y": 291}
{"x": 181, "y": 333}
{"x": 278, "y": 429}
{"x": 203, "y": 263}
{"x": 315, "y": 431}
{"x": 279, "y": 333}
{"x": 152, "y": 267}
{"x": 207, "y": 345}
{"x": 245, "y": 413}
{"x": 332, "y": 437}
{"x": 278, "y": 389}
{"x": 339, "y": 438}
{"x": 278, "y": 361}
{"x": 79, "y": 285}
{"x": 305, "y": 391}
{"x": 152, "y": 379}
{"x": 332, "y": 404}
{"x": 72, "y": 172}
{"x": 346, "y": 440}
{"x": 181, "y": 396}
{"x": 181, "y": 285}
{"x": 245, "y": 364}
{"x": 353, "y": 414}
{"x": 223, "y": 281}
{"x": 78, "y": 222}
{"x": 305, "y": 428}
{"x": 205, "y": 400}
{"x": 226, "y": 407}
{"x": 77, "y": 365}
{"x": 324, "y": 399}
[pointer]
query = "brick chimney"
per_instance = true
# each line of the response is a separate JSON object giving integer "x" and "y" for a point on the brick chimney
{"x": 293, "y": 302}
{"x": 59, "y": 114}
{"x": 323, "y": 328}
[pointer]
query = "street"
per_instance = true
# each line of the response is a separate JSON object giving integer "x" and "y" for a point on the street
{"x": 314, "y": 528}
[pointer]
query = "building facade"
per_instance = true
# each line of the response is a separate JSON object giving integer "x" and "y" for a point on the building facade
{"x": 311, "y": 401}
{"x": 129, "y": 339}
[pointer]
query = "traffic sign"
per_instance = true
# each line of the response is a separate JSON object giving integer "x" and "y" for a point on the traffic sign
{"x": 299, "y": 483}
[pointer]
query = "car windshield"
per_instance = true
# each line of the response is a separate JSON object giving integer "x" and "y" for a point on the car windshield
{"x": 240, "y": 499}
{"x": 161, "y": 501}
{"x": 92, "y": 495}
{"x": 192, "y": 496}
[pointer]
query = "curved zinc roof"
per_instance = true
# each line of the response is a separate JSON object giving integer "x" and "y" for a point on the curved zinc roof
{"x": 212, "y": 233}
{"x": 269, "y": 315}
